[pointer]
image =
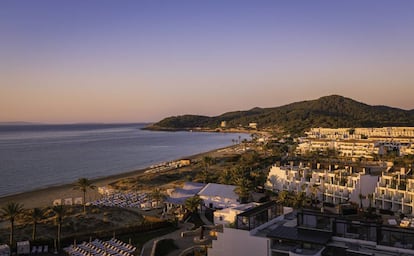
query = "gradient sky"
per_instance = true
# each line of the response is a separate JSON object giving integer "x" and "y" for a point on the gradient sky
{"x": 136, "y": 61}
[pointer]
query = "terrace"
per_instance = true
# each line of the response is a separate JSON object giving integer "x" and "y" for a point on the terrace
{"x": 259, "y": 215}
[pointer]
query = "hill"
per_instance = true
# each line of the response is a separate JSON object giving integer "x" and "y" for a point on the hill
{"x": 329, "y": 111}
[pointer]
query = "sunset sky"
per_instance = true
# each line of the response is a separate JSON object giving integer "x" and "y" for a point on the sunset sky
{"x": 141, "y": 61}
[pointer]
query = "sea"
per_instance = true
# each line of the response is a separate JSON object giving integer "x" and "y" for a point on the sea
{"x": 40, "y": 156}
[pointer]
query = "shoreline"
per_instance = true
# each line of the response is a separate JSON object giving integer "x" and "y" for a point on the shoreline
{"x": 43, "y": 197}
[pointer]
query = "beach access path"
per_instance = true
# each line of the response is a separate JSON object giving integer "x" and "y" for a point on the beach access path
{"x": 181, "y": 242}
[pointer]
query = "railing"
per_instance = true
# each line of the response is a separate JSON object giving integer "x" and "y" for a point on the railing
{"x": 301, "y": 251}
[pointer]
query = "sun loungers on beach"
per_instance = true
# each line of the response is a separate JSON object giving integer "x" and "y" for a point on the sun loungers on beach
{"x": 98, "y": 247}
{"x": 124, "y": 200}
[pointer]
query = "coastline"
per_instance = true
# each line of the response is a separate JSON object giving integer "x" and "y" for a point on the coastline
{"x": 44, "y": 197}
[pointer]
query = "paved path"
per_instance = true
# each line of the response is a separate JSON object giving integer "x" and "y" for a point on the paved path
{"x": 176, "y": 236}
{"x": 204, "y": 218}
{"x": 181, "y": 242}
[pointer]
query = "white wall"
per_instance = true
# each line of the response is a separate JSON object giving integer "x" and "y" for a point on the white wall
{"x": 277, "y": 176}
{"x": 240, "y": 243}
{"x": 367, "y": 185}
{"x": 219, "y": 202}
{"x": 228, "y": 216}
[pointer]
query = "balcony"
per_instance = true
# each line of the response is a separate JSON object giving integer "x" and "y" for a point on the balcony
{"x": 295, "y": 249}
{"x": 407, "y": 201}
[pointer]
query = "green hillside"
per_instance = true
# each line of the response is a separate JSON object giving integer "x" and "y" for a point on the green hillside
{"x": 330, "y": 111}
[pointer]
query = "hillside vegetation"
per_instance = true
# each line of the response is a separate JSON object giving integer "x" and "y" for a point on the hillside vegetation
{"x": 330, "y": 111}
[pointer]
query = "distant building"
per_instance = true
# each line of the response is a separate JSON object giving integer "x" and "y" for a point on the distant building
{"x": 223, "y": 124}
{"x": 185, "y": 162}
{"x": 359, "y": 142}
{"x": 253, "y": 125}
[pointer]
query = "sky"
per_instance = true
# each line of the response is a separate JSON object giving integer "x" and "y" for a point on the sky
{"x": 140, "y": 61}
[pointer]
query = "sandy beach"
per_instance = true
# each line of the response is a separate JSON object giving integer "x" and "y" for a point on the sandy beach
{"x": 45, "y": 196}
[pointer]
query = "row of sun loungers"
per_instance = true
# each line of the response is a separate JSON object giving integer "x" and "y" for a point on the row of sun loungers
{"x": 104, "y": 248}
{"x": 39, "y": 249}
{"x": 123, "y": 200}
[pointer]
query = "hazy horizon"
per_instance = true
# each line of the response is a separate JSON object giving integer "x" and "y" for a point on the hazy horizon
{"x": 132, "y": 122}
{"x": 138, "y": 62}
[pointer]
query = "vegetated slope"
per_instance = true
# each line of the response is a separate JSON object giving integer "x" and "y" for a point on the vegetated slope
{"x": 329, "y": 111}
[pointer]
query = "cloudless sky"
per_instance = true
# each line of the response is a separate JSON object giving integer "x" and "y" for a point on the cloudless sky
{"x": 136, "y": 61}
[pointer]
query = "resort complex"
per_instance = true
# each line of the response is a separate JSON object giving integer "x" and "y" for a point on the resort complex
{"x": 267, "y": 196}
{"x": 359, "y": 142}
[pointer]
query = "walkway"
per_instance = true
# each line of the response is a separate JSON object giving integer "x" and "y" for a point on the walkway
{"x": 176, "y": 236}
{"x": 204, "y": 218}
{"x": 181, "y": 242}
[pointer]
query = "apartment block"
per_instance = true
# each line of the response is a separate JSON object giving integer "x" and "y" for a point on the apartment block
{"x": 395, "y": 192}
{"x": 359, "y": 142}
{"x": 331, "y": 185}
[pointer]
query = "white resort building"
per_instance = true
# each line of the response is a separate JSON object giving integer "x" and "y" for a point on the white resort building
{"x": 377, "y": 186}
{"x": 359, "y": 142}
{"x": 227, "y": 216}
{"x": 395, "y": 192}
{"x": 331, "y": 185}
{"x": 219, "y": 196}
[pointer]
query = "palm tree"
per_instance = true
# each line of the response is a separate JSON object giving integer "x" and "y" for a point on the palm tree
{"x": 299, "y": 199}
{"x": 192, "y": 203}
{"x": 157, "y": 195}
{"x": 225, "y": 177}
{"x": 283, "y": 197}
{"x": 273, "y": 180}
{"x": 83, "y": 184}
{"x": 59, "y": 211}
{"x": 10, "y": 211}
{"x": 243, "y": 188}
{"x": 370, "y": 198}
{"x": 361, "y": 197}
{"x": 314, "y": 189}
{"x": 36, "y": 215}
{"x": 207, "y": 161}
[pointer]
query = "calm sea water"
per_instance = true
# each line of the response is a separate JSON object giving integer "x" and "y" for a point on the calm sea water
{"x": 36, "y": 156}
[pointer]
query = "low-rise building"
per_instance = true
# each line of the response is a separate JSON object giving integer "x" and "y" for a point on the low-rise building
{"x": 227, "y": 216}
{"x": 176, "y": 197}
{"x": 219, "y": 196}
